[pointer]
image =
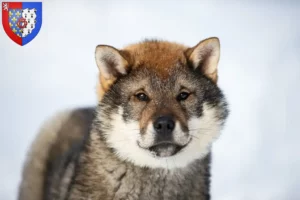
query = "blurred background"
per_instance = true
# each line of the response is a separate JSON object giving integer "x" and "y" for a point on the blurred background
{"x": 257, "y": 156}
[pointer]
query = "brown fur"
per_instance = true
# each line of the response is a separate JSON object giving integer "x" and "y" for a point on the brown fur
{"x": 162, "y": 57}
{"x": 151, "y": 53}
{"x": 146, "y": 116}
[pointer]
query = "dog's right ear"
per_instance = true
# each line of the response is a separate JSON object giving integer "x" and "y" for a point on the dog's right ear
{"x": 205, "y": 57}
{"x": 111, "y": 64}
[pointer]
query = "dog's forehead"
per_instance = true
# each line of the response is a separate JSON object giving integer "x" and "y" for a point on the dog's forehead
{"x": 161, "y": 57}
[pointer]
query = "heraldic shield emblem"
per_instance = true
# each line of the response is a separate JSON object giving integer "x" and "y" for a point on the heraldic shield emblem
{"x": 22, "y": 21}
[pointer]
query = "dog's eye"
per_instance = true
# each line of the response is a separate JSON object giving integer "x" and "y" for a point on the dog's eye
{"x": 183, "y": 96}
{"x": 142, "y": 97}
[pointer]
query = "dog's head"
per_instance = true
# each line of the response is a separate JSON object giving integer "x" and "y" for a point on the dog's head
{"x": 160, "y": 105}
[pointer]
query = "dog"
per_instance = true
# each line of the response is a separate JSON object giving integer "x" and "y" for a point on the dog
{"x": 150, "y": 136}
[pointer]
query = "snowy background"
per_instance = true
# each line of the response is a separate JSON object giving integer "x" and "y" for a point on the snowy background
{"x": 258, "y": 154}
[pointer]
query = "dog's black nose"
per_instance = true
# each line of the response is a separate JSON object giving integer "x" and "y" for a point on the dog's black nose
{"x": 164, "y": 125}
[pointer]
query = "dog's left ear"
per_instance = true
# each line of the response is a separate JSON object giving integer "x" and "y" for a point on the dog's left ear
{"x": 205, "y": 57}
{"x": 111, "y": 64}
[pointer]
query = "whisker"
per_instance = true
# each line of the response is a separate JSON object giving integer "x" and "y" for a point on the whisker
{"x": 199, "y": 134}
{"x": 126, "y": 130}
{"x": 196, "y": 129}
{"x": 195, "y": 137}
{"x": 173, "y": 162}
{"x": 167, "y": 164}
{"x": 125, "y": 140}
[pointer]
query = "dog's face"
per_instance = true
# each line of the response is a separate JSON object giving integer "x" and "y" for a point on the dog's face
{"x": 160, "y": 105}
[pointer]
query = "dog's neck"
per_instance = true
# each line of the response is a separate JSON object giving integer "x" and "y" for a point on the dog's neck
{"x": 101, "y": 169}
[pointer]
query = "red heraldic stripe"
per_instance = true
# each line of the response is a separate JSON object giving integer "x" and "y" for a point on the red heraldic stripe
{"x": 5, "y": 21}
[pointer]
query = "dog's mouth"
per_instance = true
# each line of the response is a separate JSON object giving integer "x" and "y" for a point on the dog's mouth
{"x": 165, "y": 149}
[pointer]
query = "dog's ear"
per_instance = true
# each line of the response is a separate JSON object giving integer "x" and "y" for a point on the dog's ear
{"x": 205, "y": 57}
{"x": 111, "y": 64}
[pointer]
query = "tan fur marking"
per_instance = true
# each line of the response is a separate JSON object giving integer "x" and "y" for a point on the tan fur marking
{"x": 180, "y": 115}
{"x": 214, "y": 76}
{"x": 146, "y": 116}
{"x": 103, "y": 85}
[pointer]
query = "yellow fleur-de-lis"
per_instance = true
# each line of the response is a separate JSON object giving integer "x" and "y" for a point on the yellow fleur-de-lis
{"x": 10, "y": 24}
{"x": 14, "y": 19}
{"x": 14, "y": 30}
{"x": 18, "y": 14}
{"x": 10, "y": 13}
